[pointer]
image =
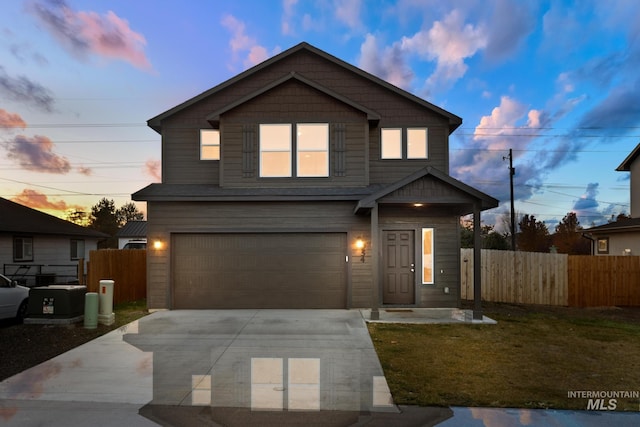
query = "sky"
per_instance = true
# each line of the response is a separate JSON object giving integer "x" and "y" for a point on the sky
{"x": 555, "y": 81}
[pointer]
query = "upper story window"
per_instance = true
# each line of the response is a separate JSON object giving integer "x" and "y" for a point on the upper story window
{"x": 313, "y": 149}
{"x": 392, "y": 147}
{"x": 23, "y": 249}
{"x": 209, "y": 144}
{"x": 311, "y": 145}
{"x": 275, "y": 150}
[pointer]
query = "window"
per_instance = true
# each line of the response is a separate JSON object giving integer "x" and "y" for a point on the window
{"x": 209, "y": 144}
{"x": 392, "y": 147}
{"x": 417, "y": 143}
{"x": 311, "y": 145}
{"x": 391, "y": 143}
{"x": 603, "y": 245}
{"x": 23, "y": 249}
{"x": 427, "y": 256}
{"x": 313, "y": 149}
{"x": 77, "y": 249}
{"x": 275, "y": 150}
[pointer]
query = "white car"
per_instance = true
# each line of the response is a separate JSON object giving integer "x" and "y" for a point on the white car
{"x": 13, "y": 299}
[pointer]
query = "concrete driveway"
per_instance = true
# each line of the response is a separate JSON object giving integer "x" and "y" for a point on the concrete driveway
{"x": 226, "y": 366}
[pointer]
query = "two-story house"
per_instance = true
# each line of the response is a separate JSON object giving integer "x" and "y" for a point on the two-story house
{"x": 306, "y": 182}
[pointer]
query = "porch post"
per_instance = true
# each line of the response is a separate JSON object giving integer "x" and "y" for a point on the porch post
{"x": 375, "y": 257}
{"x": 477, "y": 270}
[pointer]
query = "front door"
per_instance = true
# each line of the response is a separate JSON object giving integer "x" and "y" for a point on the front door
{"x": 399, "y": 267}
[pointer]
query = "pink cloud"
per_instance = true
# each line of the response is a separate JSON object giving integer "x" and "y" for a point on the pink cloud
{"x": 85, "y": 170}
{"x": 349, "y": 12}
{"x": 241, "y": 42}
{"x": 36, "y": 154}
{"x": 152, "y": 168}
{"x": 36, "y": 200}
{"x": 82, "y": 33}
{"x": 11, "y": 120}
{"x": 388, "y": 63}
{"x": 449, "y": 42}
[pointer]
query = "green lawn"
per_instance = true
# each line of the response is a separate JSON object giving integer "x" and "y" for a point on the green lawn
{"x": 530, "y": 359}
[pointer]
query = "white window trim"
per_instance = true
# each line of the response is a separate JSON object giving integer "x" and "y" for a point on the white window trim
{"x": 299, "y": 150}
{"x": 263, "y": 150}
{"x": 27, "y": 255}
{"x": 203, "y": 145}
{"x": 425, "y": 260}
{"x": 382, "y": 131}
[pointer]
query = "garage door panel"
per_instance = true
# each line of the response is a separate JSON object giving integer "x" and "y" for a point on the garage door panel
{"x": 276, "y": 270}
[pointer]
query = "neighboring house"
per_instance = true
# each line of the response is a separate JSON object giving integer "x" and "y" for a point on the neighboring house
{"x": 133, "y": 232}
{"x": 39, "y": 249}
{"x": 623, "y": 236}
{"x": 305, "y": 182}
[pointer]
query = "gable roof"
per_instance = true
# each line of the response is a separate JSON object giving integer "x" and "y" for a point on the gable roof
{"x": 214, "y": 117}
{"x": 17, "y": 218}
{"x": 486, "y": 201}
{"x": 133, "y": 229}
{"x": 156, "y": 122}
{"x": 625, "y": 166}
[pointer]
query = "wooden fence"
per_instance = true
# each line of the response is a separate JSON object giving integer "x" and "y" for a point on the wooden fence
{"x": 127, "y": 268}
{"x": 553, "y": 279}
{"x": 517, "y": 277}
{"x": 604, "y": 281}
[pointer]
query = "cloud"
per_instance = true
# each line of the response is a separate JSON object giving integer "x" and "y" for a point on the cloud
{"x": 619, "y": 110}
{"x": 11, "y": 120}
{"x": 348, "y": 12}
{"x": 482, "y": 162}
{"x": 510, "y": 23}
{"x": 152, "y": 168}
{"x": 84, "y": 170}
{"x": 587, "y": 203}
{"x": 242, "y": 43}
{"x": 84, "y": 33}
{"x": 36, "y": 200}
{"x": 388, "y": 63}
{"x": 36, "y": 154}
{"x": 22, "y": 89}
{"x": 286, "y": 25}
{"x": 449, "y": 42}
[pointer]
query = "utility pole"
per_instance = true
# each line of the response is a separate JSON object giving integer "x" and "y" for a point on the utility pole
{"x": 512, "y": 172}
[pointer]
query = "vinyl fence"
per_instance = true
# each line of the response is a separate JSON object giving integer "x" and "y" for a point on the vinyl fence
{"x": 127, "y": 268}
{"x": 553, "y": 279}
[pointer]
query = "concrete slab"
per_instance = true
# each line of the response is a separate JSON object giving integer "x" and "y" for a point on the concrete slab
{"x": 425, "y": 315}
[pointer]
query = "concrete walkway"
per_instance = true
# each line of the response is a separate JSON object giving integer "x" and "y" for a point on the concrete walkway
{"x": 240, "y": 367}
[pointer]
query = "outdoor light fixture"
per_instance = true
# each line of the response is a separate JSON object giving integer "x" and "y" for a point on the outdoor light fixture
{"x": 418, "y": 205}
{"x": 157, "y": 244}
{"x": 361, "y": 245}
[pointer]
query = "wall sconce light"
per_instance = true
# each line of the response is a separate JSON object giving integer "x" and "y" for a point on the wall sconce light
{"x": 361, "y": 245}
{"x": 157, "y": 244}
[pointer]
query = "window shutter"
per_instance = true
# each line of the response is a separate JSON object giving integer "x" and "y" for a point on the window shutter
{"x": 340, "y": 150}
{"x": 248, "y": 150}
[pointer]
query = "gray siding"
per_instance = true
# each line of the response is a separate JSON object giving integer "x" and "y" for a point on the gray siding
{"x": 194, "y": 217}
{"x": 446, "y": 251}
{"x": 180, "y": 140}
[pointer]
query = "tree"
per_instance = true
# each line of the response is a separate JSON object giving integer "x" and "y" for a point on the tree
{"x": 568, "y": 236}
{"x": 534, "y": 235}
{"x": 128, "y": 212}
{"x": 78, "y": 217}
{"x": 490, "y": 238}
{"x": 107, "y": 219}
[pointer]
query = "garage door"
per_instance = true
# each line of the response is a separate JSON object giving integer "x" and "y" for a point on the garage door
{"x": 259, "y": 270}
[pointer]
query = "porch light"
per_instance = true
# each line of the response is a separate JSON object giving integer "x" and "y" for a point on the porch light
{"x": 361, "y": 245}
{"x": 158, "y": 244}
{"x": 418, "y": 205}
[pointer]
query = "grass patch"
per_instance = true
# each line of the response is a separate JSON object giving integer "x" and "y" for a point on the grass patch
{"x": 530, "y": 360}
